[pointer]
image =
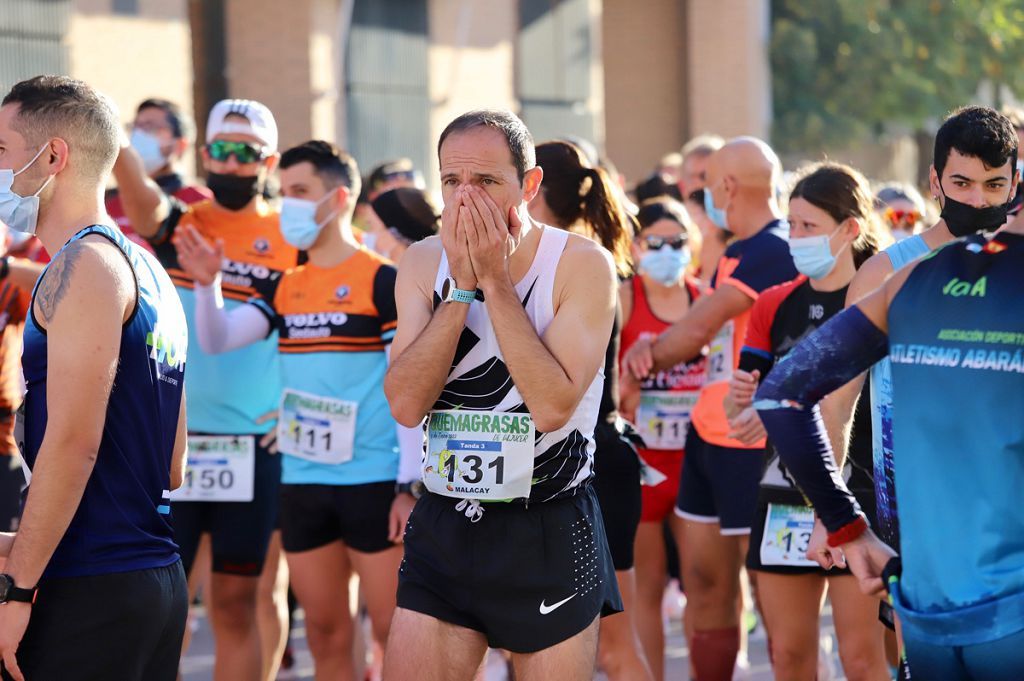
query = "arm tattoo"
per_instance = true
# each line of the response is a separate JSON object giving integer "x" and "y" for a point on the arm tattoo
{"x": 57, "y": 280}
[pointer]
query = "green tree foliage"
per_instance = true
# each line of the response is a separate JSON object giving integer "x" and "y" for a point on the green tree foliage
{"x": 846, "y": 71}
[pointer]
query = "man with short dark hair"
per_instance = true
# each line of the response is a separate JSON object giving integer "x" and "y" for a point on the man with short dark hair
{"x": 951, "y": 325}
{"x": 345, "y": 497}
{"x": 503, "y": 327}
{"x": 161, "y": 135}
{"x": 972, "y": 175}
{"x": 94, "y": 586}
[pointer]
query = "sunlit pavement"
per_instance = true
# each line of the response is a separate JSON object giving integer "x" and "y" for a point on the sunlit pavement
{"x": 198, "y": 663}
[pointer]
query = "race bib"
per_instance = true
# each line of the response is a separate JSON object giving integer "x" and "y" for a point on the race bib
{"x": 720, "y": 355}
{"x": 663, "y": 418}
{"x": 220, "y": 468}
{"x": 316, "y": 428}
{"x": 787, "y": 533}
{"x": 479, "y": 455}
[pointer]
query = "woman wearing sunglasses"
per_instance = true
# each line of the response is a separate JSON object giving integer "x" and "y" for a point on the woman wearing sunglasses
{"x": 660, "y": 294}
{"x": 902, "y": 209}
{"x": 832, "y": 233}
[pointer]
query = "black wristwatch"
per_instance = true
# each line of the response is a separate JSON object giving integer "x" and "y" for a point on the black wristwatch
{"x": 9, "y": 592}
{"x": 415, "y": 488}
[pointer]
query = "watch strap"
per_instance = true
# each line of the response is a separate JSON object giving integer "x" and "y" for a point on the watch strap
{"x": 17, "y": 594}
{"x": 459, "y": 295}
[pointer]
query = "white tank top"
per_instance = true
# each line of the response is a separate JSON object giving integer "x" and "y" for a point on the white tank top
{"x": 480, "y": 380}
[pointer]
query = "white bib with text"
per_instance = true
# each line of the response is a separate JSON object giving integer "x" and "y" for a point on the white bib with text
{"x": 479, "y": 454}
{"x": 219, "y": 468}
{"x": 663, "y": 417}
{"x": 787, "y": 533}
{"x": 720, "y": 355}
{"x": 316, "y": 428}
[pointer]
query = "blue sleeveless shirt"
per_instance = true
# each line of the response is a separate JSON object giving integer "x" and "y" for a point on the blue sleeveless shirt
{"x": 900, "y": 254}
{"x": 956, "y": 339}
{"x": 123, "y": 522}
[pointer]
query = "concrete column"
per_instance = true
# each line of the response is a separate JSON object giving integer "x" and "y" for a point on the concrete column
{"x": 644, "y": 55}
{"x": 727, "y": 67}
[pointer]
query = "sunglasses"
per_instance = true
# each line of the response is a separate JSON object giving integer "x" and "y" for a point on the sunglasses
{"x": 655, "y": 242}
{"x": 222, "y": 150}
{"x": 696, "y": 196}
{"x": 899, "y": 218}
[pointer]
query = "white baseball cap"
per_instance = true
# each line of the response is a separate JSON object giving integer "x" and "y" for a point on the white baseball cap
{"x": 261, "y": 123}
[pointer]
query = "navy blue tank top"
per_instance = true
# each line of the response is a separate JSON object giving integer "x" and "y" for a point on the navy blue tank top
{"x": 123, "y": 522}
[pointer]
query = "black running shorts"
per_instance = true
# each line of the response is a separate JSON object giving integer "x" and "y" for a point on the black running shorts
{"x": 316, "y": 515}
{"x": 126, "y": 626}
{"x": 528, "y": 578}
{"x": 719, "y": 484}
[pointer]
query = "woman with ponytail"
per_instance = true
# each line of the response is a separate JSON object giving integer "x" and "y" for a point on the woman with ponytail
{"x": 581, "y": 198}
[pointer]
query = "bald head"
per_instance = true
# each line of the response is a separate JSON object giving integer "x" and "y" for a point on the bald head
{"x": 749, "y": 161}
{"x": 742, "y": 177}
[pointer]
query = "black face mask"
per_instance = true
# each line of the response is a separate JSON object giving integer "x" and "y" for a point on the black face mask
{"x": 962, "y": 219}
{"x": 232, "y": 191}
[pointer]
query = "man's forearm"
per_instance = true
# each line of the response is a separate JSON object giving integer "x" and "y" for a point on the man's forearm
{"x": 58, "y": 482}
{"x": 547, "y": 390}
{"x": 416, "y": 376}
{"x": 143, "y": 202}
{"x": 679, "y": 343}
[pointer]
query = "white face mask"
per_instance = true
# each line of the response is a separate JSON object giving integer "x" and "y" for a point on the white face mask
{"x": 20, "y": 213}
{"x": 148, "y": 147}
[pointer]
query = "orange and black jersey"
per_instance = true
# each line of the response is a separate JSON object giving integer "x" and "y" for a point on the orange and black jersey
{"x": 346, "y": 308}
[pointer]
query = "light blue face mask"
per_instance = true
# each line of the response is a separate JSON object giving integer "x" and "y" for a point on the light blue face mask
{"x": 148, "y": 148}
{"x": 298, "y": 221}
{"x": 20, "y": 213}
{"x": 812, "y": 255}
{"x": 715, "y": 214}
{"x": 665, "y": 265}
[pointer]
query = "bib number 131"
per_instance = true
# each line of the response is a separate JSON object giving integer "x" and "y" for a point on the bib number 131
{"x": 472, "y": 470}
{"x": 479, "y": 455}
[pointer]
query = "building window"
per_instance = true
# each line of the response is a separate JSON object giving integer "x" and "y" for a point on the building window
{"x": 387, "y": 100}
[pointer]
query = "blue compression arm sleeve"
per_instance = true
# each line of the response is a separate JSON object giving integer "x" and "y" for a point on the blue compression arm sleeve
{"x": 787, "y": 401}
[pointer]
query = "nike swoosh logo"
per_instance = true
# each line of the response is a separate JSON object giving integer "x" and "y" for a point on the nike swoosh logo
{"x": 547, "y": 609}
